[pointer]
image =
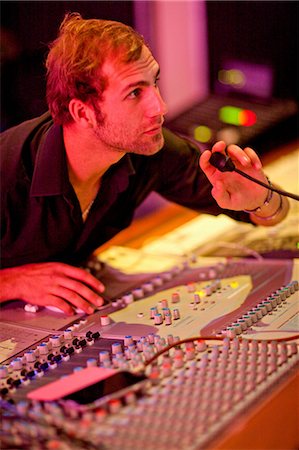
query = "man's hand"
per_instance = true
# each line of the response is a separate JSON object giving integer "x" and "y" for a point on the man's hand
{"x": 52, "y": 284}
{"x": 231, "y": 190}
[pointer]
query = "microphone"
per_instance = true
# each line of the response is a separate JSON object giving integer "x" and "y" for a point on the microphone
{"x": 225, "y": 164}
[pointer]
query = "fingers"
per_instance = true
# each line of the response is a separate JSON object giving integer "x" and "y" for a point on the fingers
{"x": 78, "y": 294}
{"x": 255, "y": 160}
{"x": 247, "y": 157}
{"x": 60, "y": 304}
{"x": 220, "y": 146}
{"x": 55, "y": 284}
{"x": 81, "y": 275}
{"x": 71, "y": 299}
{"x": 77, "y": 287}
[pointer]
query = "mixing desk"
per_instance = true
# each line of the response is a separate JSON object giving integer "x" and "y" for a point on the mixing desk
{"x": 190, "y": 348}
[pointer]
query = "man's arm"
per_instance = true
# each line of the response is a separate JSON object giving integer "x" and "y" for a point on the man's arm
{"x": 234, "y": 192}
{"x": 52, "y": 284}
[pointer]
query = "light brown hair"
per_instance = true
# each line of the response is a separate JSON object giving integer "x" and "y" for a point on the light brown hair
{"x": 76, "y": 57}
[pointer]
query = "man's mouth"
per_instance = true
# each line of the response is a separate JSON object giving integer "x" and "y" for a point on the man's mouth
{"x": 155, "y": 128}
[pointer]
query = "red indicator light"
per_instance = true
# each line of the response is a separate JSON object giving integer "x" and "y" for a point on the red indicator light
{"x": 247, "y": 118}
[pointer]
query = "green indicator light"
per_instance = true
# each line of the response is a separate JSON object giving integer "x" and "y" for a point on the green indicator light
{"x": 202, "y": 133}
{"x": 230, "y": 114}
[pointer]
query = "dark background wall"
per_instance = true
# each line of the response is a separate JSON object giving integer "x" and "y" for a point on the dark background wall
{"x": 26, "y": 29}
{"x": 262, "y": 32}
{"x": 257, "y": 31}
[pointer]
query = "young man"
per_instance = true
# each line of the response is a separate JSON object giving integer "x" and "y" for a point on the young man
{"x": 73, "y": 177}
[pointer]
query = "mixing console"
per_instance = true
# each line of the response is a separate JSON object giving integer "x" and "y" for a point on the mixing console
{"x": 168, "y": 363}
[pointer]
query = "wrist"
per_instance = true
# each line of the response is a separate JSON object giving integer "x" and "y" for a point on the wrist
{"x": 9, "y": 284}
{"x": 266, "y": 203}
{"x": 272, "y": 213}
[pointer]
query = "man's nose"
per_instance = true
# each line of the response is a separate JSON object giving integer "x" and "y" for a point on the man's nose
{"x": 156, "y": 105}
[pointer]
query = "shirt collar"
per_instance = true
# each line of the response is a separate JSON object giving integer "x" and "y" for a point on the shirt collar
{"x": 50, "y": 176}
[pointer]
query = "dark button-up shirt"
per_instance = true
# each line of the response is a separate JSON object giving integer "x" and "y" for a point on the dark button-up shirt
{"x": 41, "y": 218}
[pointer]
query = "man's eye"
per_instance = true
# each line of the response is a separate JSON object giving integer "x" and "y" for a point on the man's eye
{"x": 135, "y": 93}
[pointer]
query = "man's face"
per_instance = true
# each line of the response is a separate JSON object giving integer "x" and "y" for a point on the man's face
{"x": 132, "y": 110}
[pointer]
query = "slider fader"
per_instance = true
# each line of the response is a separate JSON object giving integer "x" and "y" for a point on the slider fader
{"x": 170, "y": 367}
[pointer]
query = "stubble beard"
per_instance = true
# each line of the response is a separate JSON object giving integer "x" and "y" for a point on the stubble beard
{"x": 124, "y": 143}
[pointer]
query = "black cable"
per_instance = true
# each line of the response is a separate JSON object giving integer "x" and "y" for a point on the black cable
{"x": 279, "y": 191}
{"x": 225, "y": 164}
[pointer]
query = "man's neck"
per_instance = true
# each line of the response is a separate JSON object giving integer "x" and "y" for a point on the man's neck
{"x": 87, "y": 157}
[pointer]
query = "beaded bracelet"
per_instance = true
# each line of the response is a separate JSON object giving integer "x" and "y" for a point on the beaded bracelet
{"x": 274, "y": 214}
{"x": 266, "y": 202}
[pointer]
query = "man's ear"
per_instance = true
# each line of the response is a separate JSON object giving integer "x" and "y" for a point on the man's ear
{"x": 82, "y": 114}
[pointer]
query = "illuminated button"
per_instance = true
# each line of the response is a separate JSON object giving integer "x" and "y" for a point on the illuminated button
{"x": 201, "y": 345}
{"x": 202, "y": 133}
{"x": 237, "y": 116}
{"x": 175, "y": 297}
{"x": 163, "y": 303}
{"x": 232, "y": 77}
{"x": 190, "y": 354}
{"x": 178, "y": 361}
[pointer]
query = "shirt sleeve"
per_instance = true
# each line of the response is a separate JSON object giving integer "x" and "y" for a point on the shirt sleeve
{"x": 183, "y": 181}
